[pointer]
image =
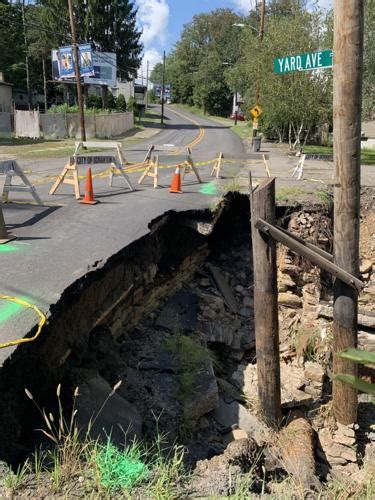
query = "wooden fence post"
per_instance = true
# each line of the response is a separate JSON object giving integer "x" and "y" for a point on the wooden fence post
{"x": 347, "y": 99}
{"x": 265, "y": 304}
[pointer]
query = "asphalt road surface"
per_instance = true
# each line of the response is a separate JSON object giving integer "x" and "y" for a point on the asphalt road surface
{"x": 60, "y": 242}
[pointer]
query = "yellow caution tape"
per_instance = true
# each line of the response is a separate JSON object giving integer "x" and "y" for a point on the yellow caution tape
{"x": 23, "y": 303}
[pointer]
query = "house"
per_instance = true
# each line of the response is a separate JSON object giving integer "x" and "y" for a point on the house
{"x": 5, "y": 95}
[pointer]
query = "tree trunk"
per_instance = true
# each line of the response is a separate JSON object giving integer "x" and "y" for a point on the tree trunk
{"x": 290, "y": 136}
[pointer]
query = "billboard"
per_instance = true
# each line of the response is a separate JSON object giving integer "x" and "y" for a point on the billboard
{"x": 167, "y": 90}
{"x": 63, "y": 62}
{"x": 105, "y": 69}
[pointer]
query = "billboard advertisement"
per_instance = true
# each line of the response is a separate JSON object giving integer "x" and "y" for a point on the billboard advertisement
{"x": 63, "y": 62}
{"x": 85, "y": 59}
{"x": 66, "y": 62}
{"x": 167, "y": 90}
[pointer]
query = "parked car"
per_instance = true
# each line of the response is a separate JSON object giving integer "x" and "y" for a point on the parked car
{"x": 240, "y": 116}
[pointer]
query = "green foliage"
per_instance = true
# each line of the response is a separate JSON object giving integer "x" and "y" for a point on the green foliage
{"x": 131, "y": 104}
{"x": 120, "y": 470}
{"x": 121, "y": 103}
{"x": 293, "y": 103}
{"x": 110, "y": 101}
{"x": 325, "y": 196}
{"x": 195, "y": 67}
{"x": 188, "y": 357}
{"x": 94, "y": 101}
{"x": 361, "y": 357}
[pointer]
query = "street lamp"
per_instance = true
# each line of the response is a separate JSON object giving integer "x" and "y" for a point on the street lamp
{"x": 242, "y": 25}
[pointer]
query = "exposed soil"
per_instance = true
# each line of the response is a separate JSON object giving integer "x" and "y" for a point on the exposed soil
{"x": 183, "y": 343}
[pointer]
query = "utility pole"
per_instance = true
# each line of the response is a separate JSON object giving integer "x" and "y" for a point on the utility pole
{"x": 44, "y": 83}
{"x": 163, "y": 90}
{"x": 147, "y": 70}
{"x": 347, "y": 100}
{"x": 29, "y": 95}
{"x": 77, "y": 72}
{"x": 235, "y": 107}
{"x": 261, "y": 35}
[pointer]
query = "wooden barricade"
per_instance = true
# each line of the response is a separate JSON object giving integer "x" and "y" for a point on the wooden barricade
{"x": 216, "y": 169}
{"x": 151, "y": 170}
{"x": 69, "y": 174}
{"x": 189, "y": 166}
{"x": 10, "y": 169}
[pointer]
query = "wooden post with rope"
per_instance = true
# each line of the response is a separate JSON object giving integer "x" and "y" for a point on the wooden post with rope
{"x": 347, "y": 101}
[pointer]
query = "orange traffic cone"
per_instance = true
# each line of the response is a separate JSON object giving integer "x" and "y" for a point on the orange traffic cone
{"x": 4, "y": 236}
{"x": 89, "y": 193}
{"x": 176, "y": 181}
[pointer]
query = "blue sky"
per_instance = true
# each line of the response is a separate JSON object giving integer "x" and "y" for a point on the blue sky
{"x": 162, "y": 21}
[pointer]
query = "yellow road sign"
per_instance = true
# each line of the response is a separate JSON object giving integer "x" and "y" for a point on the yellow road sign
{"x": 256, "y": 111}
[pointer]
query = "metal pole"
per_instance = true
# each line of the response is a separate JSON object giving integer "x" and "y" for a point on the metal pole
{"x": 347, "y": 100}
{"x": 265, "y": 304}
{"x": 163, "y": 90}
{"x": 77, "y": 72}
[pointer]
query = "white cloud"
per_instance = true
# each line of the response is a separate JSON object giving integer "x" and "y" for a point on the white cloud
{"x": 153, "y": 17}
{"x": 244, "y": 6}
{"x": 152, "y": 56}
{"x": 326, "y": 4}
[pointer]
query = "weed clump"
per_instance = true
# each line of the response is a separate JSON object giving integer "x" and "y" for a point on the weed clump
{"x": 189, "y": 358}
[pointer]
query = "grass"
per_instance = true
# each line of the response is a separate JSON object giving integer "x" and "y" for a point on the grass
{"x": 189, "y": 359}
{"x": 75, "y": 465}
{"x": 289, "y": 193}
{"x": 367, "y": 155}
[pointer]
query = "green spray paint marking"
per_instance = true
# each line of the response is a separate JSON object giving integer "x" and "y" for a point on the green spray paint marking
{"x": 9, "y": 309}
{"x": 9, "y": 248}
{"x": 209, "y": 189}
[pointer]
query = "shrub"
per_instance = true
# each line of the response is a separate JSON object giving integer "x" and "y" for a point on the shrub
{"x": 121, "y": 103}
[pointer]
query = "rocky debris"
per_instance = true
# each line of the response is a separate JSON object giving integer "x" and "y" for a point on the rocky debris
{"x": 118, "y": 418}
{"x": 365, "y": 266}
{"x": 296, "y": 446}
{"x": 297, "y": 386}
{"x": 241, "y": 452}
{"x": 289, "y": 299}
{"x": 231, "y": 415}
{"x": 365, "y": 318}
{"x": 220, "y": 475}
{"x": 314, "y": 376}
{"x": 224, "y": 287}
{"x": 180, "y": 312}
{"x": 205, "y": 394}
{"x": 338, "y": 447}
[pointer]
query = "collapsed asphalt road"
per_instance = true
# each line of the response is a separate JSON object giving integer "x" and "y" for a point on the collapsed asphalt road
{"x": 59, "y": 243}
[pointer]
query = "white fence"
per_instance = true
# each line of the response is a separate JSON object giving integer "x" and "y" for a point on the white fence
{"x": 59, "y": 126}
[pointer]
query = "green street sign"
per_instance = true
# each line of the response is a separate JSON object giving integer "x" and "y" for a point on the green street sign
{"x": 303, "y": 62}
